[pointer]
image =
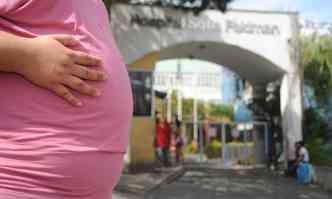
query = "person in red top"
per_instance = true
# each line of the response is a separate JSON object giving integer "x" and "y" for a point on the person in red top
{"x": 162, "y": 143}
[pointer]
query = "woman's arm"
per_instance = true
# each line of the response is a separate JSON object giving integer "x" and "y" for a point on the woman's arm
{"x": 46, "y": 62}
{"x": 12, "y": 50}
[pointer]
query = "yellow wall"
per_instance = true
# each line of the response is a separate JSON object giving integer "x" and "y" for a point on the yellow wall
{"x": 147, "y": 62}
{"x": 143, "y": 128}
{"x": 141, "y": 141}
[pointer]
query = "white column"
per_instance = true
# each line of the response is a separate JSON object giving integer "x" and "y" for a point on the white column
{"x": 291, "y": 111}
{"x": 179, "y": 104}
{"x": 169, "y": 105}
{"x": 179, "y": 89}
{"x": 195, "y": 119}
{"x": 291, "y": 95}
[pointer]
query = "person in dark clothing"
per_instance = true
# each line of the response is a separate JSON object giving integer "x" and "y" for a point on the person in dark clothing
{"x": 178, "y": 146}
{"x": 293, "y": 165}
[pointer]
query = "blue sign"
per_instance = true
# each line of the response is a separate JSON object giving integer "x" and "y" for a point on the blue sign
{"x": 242, "y": 113}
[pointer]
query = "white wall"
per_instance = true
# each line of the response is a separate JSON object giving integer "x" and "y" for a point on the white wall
{"x": 211, "y": 25}
{"x": 201, "y": 76}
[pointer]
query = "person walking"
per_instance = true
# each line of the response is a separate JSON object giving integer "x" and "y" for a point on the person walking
{"x": 163, "y": 136}
{"x": 178, "y": 146}
{"x": 66, "y": 101}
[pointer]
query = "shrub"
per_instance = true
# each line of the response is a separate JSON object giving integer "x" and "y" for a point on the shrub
{"x": 320, "y": 153}
{"x": 191, "y": 148}
{"x": 213, "y": 150}
{"x": 316, "y": 137}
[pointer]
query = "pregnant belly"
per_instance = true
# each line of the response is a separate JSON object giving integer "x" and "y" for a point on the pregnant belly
{"x": 35, "y": 116}
{"x": 84, "y": 175}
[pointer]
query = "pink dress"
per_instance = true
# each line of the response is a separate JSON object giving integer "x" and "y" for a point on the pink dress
{"x": 48, "y": 148}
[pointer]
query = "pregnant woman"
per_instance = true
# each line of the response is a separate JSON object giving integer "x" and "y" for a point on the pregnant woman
{"x": 65, "y": 102}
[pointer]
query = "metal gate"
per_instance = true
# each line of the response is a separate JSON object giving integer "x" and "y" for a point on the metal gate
{"x": 221, "y": 144}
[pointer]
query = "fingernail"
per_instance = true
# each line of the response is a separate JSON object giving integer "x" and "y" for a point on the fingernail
{"x": 73, "y": 42}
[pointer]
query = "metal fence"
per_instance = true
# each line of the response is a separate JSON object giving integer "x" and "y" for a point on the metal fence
{"x": 220, "y": 142}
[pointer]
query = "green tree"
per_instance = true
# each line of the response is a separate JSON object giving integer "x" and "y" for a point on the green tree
{"x": 108, "y": 3}
{"x": 316, "y": 60}
{"x": 219, "y": 111}
{"x": 316, "y": 47}
{"x": 192, "y": 5}
{"x": 204, "y": 109}
{"x": 187, "y": 107}
{"x": 317, "y": 75}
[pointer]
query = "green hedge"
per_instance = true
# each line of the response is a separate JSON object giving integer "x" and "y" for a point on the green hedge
{"x": 316, "y": 137}
{"x": 213, "y": 150}
{"x": 320, "y": 153}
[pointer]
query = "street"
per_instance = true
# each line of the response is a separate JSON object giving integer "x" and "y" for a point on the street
{"x": 213, "y": 184}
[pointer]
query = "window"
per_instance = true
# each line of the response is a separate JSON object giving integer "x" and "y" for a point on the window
{"x": 141, "y": 83}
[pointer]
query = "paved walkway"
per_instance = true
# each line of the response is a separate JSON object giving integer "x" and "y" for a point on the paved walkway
{"x": 145, "y": 182}
{"x": 231, "y": 184}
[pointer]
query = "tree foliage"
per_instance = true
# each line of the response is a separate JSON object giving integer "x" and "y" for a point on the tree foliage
{"x": 192, "y": 5}
{"x": 316, "y": 60}
{"x": 315, "y": 136}
{"x": 204, "y": 109}
{"x": 318, "y": 76}
{"x": 187, "y": 107}
{"x": 220, "y": 111}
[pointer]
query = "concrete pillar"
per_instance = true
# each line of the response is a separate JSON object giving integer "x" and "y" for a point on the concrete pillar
{"x": 291, "y": 94}
{"x": 291, "y": 112}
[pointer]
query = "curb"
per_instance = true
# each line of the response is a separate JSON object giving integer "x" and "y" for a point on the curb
{"x": 169, "y": 178}
{"x": 137, "y": 189}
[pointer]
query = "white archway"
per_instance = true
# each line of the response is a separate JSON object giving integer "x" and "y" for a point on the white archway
{"x": 260, "y": 46}
{"x": 252, "y": 67}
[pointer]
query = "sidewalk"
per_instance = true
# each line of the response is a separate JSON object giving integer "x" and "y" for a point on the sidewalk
{"x": 140, "y": 183}
{"x": 196, "y": 162}
{"x": 211, "y": 183}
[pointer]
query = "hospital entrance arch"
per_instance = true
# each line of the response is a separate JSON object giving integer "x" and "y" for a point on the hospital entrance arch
{"x": 260, "y": 46}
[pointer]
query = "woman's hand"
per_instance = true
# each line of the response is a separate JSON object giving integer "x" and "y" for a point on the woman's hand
{"x": 48, "y": 63}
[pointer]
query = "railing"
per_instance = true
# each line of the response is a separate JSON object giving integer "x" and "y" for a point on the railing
{"x": 249, "y": 147}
